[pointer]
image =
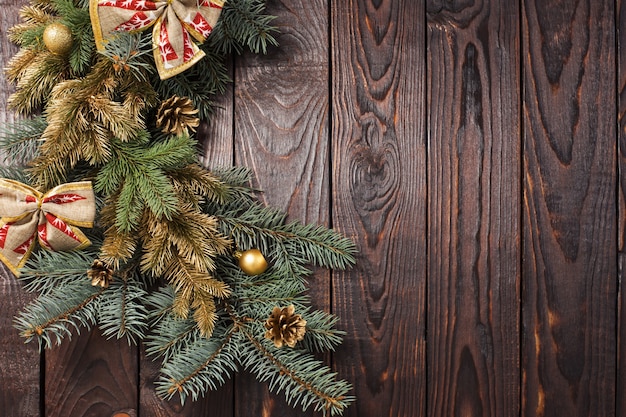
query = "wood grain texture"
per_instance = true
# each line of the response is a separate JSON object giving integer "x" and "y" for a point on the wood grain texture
{"x": 473, "y": 208}
{"x": 621, "y": 97}
{"x": 379, "y": 199}
{"x": 19, "y": 363}
{"x": 281, "y": 134}
{"x": 569, "y": 219}
{"x": 8, "y": 18}
{"x": 90, "y": 376}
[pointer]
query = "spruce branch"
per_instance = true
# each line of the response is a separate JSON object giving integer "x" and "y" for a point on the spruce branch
{"x": 292, "y": 244}
{"x": 243, "y": 23}
{"x": 205, "y": 364}
{"x": 121, "y": 309}
{"x": 170, "y": 334}
{"x": 30, "y": 31}
{"x": 53, "y": 316}
{"x": 195, "y": 184}
{"x": 20, "y": 140}
{"x": 14, "y": 173}
{"x": 304, "y": 380}
{"x": 192, "y": 235}
{"x": 83, "y": 117}
{"x": 37, "y": 72}
{"x": 136, "y": 175}
{"x": 45, "y": 271}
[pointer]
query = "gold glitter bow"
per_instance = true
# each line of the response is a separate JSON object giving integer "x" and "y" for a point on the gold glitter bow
{"x": 175, "y": 23}
{"x": 26, "y": 213}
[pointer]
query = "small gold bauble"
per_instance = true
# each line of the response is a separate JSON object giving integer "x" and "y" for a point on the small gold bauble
{"x": 251, "y": 261}
{"x": 58, "y": 38}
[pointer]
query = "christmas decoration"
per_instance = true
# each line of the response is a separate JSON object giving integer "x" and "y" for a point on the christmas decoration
{"x": 285, "y": 327}
{"x": 177, "y": 115}
{"x": 100, "y": 274}
{"x": 174, "y": 23}
{"x": 110, "y": 132}
{"x": 58, "y": 38}
{"x": 51, "y": 217}
{"x": 251, "y": 261}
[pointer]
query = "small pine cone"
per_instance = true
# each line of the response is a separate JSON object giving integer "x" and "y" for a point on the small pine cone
{"x": 177, "y": 115}
{"x": 285, "y": 327}
{"x": 100, "y": 273}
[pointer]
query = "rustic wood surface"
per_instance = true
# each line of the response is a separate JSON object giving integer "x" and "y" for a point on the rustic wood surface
{"x": 19, "y": 364}
{"x": 473, "y": 208}
{"x": 570, "y": 209}
{"x": 379, "y": 198}
{"x": 475, "y": 153}
{"x": 621, "y": 97}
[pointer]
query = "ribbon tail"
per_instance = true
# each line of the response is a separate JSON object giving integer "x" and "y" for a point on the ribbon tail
{"x": 17, "y": 241}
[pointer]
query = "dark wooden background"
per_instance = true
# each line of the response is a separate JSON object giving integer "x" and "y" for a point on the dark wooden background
{"x": 474, "y": 151}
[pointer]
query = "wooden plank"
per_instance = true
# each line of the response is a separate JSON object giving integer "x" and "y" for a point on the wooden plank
{"x": 8, "y": 18}
{"x": 281, "y": 133}
{"x": 20, "y": 369}
{"x": 91, "y": 376}
{"x": 379, "y": 199}
{"x": 621, "y": 96}
{"x": 473, "y": 206}
{"x": 569, "y": 220}
{"x": 216, "y": 142}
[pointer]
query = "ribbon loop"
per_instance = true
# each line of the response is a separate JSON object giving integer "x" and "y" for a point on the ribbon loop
{"x": 175, "y": 23}
{"x": 52, "y": 217}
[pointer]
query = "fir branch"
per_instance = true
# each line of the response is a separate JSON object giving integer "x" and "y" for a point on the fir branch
{"x": 117, "y": 246}
{"x": 19, "y": 63}
{"x": 29, "y": 32}
{"x": 304, "y": 380}
{"x": 195, "y": 291}
{"x": 36, "y": 81}
{"x": 13, "y": 172}
{"x": 171, "y": 334}
{"x": 192, "y": 235}
{"x": 204, "y": 312}
{"x": 75, "y": 108}
{"x": 243, "y": 23}
{"x": 45, "y": 271}
{"x": 137, "y": 174}
{"x": 121, "y": 309}
{"x": 20, "y": 140}
{"x": 131, "y": 52}
{"x": 256, "y": 224}
{"x": 321, "y": 334}
{"x": 204, "y": 364}
{"x": 52, "y": 316}
{"x": 195, "y": 184}
{"x": 77, "y": 19}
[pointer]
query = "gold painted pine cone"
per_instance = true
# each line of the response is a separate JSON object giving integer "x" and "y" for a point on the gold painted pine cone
{"x": 100, "y": 274}
{"x": 177, "y": 115}
{"x": 285, "y": 327}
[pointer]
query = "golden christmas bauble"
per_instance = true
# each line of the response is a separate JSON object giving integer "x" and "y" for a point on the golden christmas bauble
{"x": 58, "y": 38}
{"x": 251, "y": 261}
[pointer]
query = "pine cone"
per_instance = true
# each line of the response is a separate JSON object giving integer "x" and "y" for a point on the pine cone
{"x": 177, "y": 115}
{"x": 100, "y": 273}
{"x": 285, "y": 327}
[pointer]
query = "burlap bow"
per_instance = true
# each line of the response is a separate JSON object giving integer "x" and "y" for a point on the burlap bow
{"x": 26, "y": 213}
{"x": 175, "y": 23}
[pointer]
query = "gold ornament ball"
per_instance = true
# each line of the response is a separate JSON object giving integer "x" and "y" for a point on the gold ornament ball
{"x": 58, "y": 38}
{"x": 251, "y": 261}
